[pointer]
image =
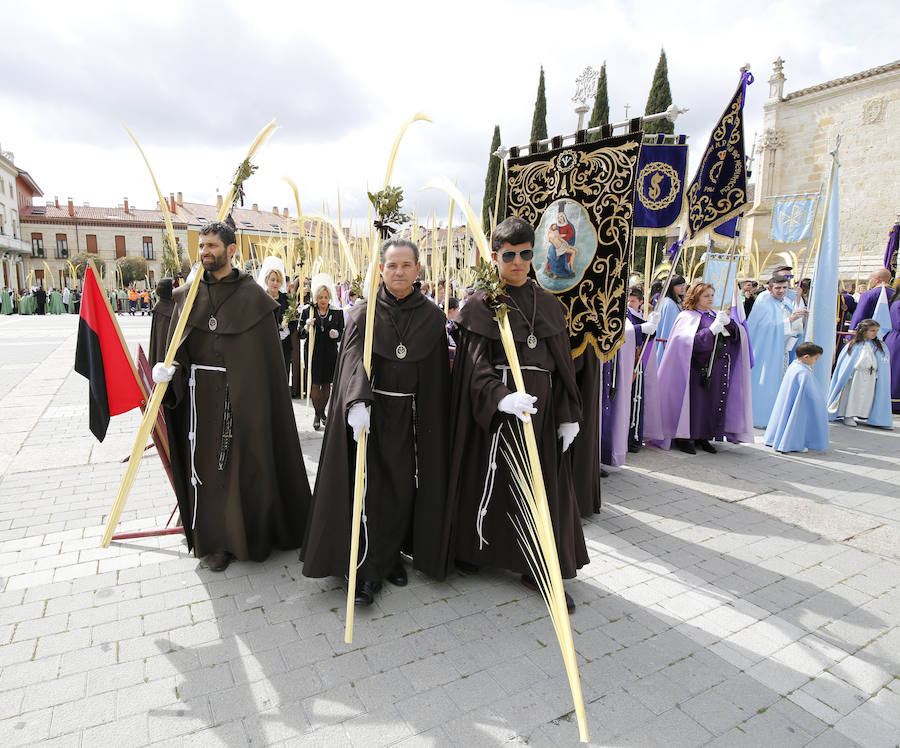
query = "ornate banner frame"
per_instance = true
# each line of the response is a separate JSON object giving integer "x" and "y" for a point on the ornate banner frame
{"x": 580, "y": 201}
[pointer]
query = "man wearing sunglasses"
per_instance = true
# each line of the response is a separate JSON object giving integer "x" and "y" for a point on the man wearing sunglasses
{"x": 487, "y": 410}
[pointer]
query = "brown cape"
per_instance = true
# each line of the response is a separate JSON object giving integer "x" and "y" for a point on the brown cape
{"x": 586, "y": 447}
{"x": 159, "y": 329}
{"x": 260, "y": 496}
{"x": 485, "y": 500}
{"x": 403, "y": 442}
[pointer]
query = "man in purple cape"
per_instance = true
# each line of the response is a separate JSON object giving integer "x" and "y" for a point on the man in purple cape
{"x": 892, "y": 341}
{"x": 682, "y": 390}
{"x": 865, "y": 307}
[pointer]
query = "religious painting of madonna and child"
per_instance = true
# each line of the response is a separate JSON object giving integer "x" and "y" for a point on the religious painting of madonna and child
{"x": 579, "y": 199}
{"x": 564, "y": 244}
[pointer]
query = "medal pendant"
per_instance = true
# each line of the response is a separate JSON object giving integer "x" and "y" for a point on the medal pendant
{"x": 531, "y": 341}
{"x": 401, "y": 351}
{"x": 213, "y": 323}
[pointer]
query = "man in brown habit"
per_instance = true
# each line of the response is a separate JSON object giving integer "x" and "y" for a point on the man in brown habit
{"x": 403, "y": 408}
{"x": 486, "y": 405}
{"x": 239, "y": 475}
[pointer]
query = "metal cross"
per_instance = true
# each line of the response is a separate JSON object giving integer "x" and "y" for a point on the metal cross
{"x": 627, "y": 107}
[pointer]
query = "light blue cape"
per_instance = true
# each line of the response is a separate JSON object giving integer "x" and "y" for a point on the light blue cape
{"x": 880, "y": 415}
{"x": 798, "y": 419}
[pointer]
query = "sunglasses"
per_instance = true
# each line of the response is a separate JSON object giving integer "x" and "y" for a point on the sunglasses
{"x": 510, "y": 255}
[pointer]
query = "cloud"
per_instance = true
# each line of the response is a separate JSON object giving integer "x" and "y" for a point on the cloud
{"x": 198, "y": 81}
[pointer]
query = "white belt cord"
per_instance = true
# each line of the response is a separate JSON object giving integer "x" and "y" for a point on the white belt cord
{"x": 192, "y": 430}
{"x": 638, "y": 396}
{"x": 415, "y": 427}
{"x": 491, "y": 474}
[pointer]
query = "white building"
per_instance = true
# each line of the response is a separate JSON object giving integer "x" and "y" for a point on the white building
{"x": 800, "y": 130}
{"x": 13, "y": 182}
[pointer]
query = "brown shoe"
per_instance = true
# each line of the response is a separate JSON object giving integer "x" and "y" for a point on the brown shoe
{"x": 218, "y": 561}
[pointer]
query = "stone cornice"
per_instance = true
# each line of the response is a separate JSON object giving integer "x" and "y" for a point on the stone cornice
{"x": 871, "y": 72}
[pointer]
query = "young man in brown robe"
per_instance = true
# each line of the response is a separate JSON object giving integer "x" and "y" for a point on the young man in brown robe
{"x": 403, "y": 407}
{"x": 485, "y": 407}
{"x": 239, "y": 474}
{"x": 160, "y": 321}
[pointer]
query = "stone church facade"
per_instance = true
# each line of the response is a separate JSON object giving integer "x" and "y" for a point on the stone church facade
{"x": 800, "y": 130}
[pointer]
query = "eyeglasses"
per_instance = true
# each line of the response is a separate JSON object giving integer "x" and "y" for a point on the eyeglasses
{"x": 510, "y": 255}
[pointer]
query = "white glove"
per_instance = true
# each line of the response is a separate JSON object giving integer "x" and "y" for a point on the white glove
{"x": 518, "y": 404}
{"x": 567, "y": 432}
{"x": 358, "y": 419}
{"x": 649, "y": 327}
{"x": 283, "y": 334}
{"x": 163, "y": 373}
{"x": 310, "y": 322}
{"x": 333, "y": 334}
{"x": 718, "y": 326}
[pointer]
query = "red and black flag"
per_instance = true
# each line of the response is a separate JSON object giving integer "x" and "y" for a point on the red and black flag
{"x": 102, "y": 358}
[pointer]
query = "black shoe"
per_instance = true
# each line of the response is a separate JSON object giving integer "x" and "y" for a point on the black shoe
{"x": 397, "y": 575}
{"x": 705, "y": 446}
{"x": 324, "y": 420}
{"x": 365, "y": 593}
{"x": 465, "y": 568}
{"x": 685, "y": 445}
{"x": 529, "y": 583}
{"x": 603, "y": 473}
{"x": 218, "y": 561}
{"x": 633, "y": 448}
{"x": 316, "y": 424}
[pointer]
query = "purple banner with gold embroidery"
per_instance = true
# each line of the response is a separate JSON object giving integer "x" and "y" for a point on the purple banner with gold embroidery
{"x": 659, "y": 190}
{"x": 580, "y": 201}
{"x": 719, "y": 189}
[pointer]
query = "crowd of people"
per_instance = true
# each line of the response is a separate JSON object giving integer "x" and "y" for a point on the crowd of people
{"x": 442, "y": 415}
{"x": 38, "y": 301}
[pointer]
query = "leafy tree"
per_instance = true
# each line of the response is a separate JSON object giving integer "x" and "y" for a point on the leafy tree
{"x": 660, "y": 98}
{"x": 173, "y": 261}
{"x": 600, "y": 113}
{"x": 80, "y": 261}
{"x": 496, "y": 177}
{"x": 132, "y": 269}
{"x": 539, "y": 121}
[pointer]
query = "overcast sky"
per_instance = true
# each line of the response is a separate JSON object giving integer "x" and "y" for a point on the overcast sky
{"x": 195, "y": 81}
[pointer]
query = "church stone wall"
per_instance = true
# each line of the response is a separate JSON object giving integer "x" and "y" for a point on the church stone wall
{"x": 800, "y": 131}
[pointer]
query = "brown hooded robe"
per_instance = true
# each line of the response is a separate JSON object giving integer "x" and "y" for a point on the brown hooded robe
{"x": 253, "y": 494}
{"x": 406, "y": 449}
{"x": 482, "y": 533}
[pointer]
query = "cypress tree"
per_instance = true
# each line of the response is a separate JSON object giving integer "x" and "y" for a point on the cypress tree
{"x": 490, "y": 183}
{"x": 600, "y": 114}
{"x": 660, "y": 98}
{"x": 539, "y": 121}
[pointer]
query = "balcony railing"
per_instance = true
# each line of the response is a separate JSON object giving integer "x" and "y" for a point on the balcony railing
{"x": 8, "y": 242}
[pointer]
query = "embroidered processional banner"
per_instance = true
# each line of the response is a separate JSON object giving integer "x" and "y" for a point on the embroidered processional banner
{"x": 726, "y": 229}
{"x": 793, "y": 218}
{"x": 580, "y": 201}
{"x": 720, "y": 271}
{"x": 719, "y": 189}
{"x": 659, "y": 190}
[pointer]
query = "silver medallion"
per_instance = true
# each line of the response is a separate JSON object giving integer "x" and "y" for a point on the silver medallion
{"x": 401, "y": 351}
{"x": 531, "y": 341}
{"x": 213, "y": 323}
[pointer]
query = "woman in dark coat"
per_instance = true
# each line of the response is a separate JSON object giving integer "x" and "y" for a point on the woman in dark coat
{"x": 327, "y": 324}
{"x": 271, "y": 278}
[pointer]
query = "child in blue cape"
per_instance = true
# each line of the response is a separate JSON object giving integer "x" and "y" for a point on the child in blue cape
{"x": 798, "y": 421}
{"x": 861, "y": 382}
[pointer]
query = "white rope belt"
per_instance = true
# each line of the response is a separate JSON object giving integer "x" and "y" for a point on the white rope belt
{"x": 192, "y": 430}
{"x": 388, "y": 393}
{"x": 491, "y": 474}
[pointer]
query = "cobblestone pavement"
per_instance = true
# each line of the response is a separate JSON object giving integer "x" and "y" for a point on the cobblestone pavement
{"x": 735, "y": 599}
